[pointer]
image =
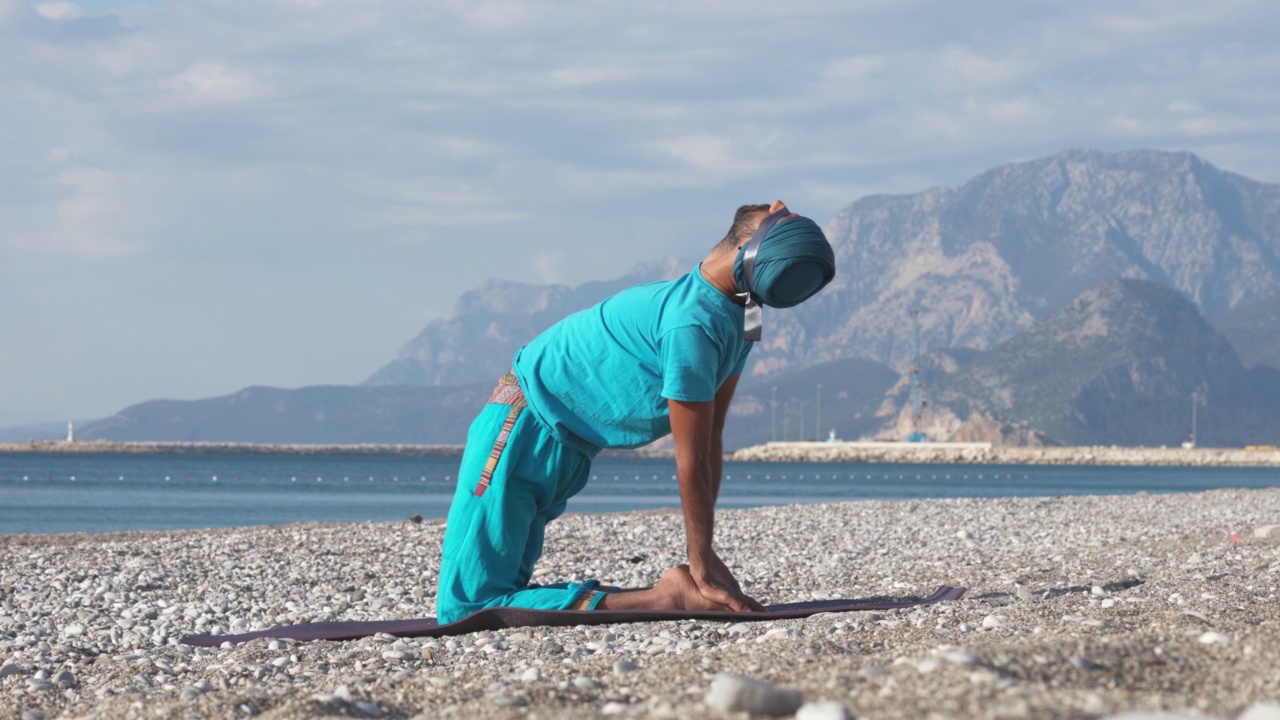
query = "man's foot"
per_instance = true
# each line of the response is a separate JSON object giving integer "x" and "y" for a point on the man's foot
{"x": 678, "y": 588}
{"x": 675, "y": 590}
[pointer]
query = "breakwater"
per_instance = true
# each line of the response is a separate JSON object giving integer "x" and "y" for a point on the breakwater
{"x": 988, "y": 454}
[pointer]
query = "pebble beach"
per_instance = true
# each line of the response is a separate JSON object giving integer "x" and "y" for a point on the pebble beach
{"x": 1078, "y": 607}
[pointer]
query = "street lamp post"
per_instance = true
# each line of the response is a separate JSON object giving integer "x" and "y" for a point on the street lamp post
{"x": 774, "y": 405}
{"x": 817, "y": 427}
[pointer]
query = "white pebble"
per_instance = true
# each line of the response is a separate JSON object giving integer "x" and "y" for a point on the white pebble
{"x": 993, "y": 621}
{"x": 1211, "y": 638}
{"x": 1261, "y": 711}
{"x": 960, "y": 657}
{"x": 734, "y": 693}
{"x": 826, "y": 710}
{"x": 928, "y": 665}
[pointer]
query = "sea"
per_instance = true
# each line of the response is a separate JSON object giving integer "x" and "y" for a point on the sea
{"x": 65, "y": 492}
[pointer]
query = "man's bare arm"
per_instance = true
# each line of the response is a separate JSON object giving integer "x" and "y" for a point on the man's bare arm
{"x": 692, "y": 424}
{"x": 724, "y": 396}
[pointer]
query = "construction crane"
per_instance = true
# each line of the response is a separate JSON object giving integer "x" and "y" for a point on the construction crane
{"x": 917, "y": 401}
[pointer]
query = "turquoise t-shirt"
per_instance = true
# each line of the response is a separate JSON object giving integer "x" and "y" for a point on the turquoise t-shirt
{"x": 601, "y": 378}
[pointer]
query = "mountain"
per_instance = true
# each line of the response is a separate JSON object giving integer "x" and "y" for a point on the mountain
{"x": 981, "y": 261}
{"x": 321, "y": 414}
{"x": 489, "y": 324}
{"x": 1061, "y": 300}
{"x": 985, "y": 260}
{"x": 1119, "y": 365}
{"x": 1254, "y": 330}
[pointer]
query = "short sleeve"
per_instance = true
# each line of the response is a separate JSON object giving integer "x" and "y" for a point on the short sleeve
{"x": 689, "y": 363}
{"x": 741, "y": 366}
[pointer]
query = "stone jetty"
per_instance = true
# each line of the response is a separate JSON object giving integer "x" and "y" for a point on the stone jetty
{"x": 987, "y": 454}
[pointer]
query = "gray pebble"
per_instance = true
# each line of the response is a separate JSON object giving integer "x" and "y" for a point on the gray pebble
{"x": 621, "y": 667}
{"x": 585, "y": 683}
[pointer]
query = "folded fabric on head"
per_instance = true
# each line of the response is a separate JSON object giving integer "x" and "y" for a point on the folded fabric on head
{"x": 793, "y": 263}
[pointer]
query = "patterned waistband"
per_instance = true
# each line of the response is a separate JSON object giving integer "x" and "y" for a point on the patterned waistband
{"x": 508, "y": 392}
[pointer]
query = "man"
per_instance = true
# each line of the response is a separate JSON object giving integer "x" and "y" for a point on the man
{"x": 654, "y": 359}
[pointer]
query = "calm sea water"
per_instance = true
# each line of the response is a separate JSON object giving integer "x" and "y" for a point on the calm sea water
{"x": 57, "y": 493}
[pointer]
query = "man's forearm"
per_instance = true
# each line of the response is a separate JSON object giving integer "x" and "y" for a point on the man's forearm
{"x": 717, "y": 467}
{"x": 697, "y": 498}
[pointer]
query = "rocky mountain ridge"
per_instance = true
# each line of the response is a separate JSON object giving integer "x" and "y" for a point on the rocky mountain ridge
{"x": 981, "y": 261}
{"x": 1061, "y": 300}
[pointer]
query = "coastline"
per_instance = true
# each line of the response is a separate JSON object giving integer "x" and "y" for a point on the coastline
{"x": 987, "y": 454}
{"x": 111, "y": 447}
{"x": 219, "y": 448}
{"x": 1081, "y": 607}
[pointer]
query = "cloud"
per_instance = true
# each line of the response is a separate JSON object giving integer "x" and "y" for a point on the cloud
{"x": 415, "y": 140}
{"x": 94, "y": 221}
{"x": 705, "y": 151}
{"x": 210, "y": 83}
{"x": 551, "y": 267}
{"x": 589, "y": 75}
{"x": 856, "y": 67}
{"x": 57, "y": 11}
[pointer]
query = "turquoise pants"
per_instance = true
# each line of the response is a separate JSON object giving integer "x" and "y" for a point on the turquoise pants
{"x": 496, "y": 522}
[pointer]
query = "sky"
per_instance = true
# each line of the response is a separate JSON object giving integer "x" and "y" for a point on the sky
{"x": 197, "y": 196}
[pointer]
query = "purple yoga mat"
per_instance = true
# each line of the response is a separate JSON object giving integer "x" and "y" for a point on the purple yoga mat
{"x": 508, "y": 617}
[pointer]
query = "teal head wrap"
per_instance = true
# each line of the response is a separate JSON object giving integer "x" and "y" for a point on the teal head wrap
{"x": 785, "y": 263}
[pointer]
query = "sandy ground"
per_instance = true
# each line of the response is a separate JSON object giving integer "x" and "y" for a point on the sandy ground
{"x": 1078, "y": 607}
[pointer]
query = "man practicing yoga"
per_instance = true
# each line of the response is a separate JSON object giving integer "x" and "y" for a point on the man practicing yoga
{"x": 654, "y": 359}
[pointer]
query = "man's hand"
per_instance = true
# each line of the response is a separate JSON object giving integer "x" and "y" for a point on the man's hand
{"x": 718, "y": 585}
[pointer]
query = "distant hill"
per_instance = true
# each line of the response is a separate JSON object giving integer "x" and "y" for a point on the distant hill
{"x": 489, "y": 324}
{"x": 321, "y": 414}
{"x": 1118, "y": 366}
{"x": 1254, "y": 330}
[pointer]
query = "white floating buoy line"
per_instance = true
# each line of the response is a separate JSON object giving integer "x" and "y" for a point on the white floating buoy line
{"x": 853, "y": 476}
